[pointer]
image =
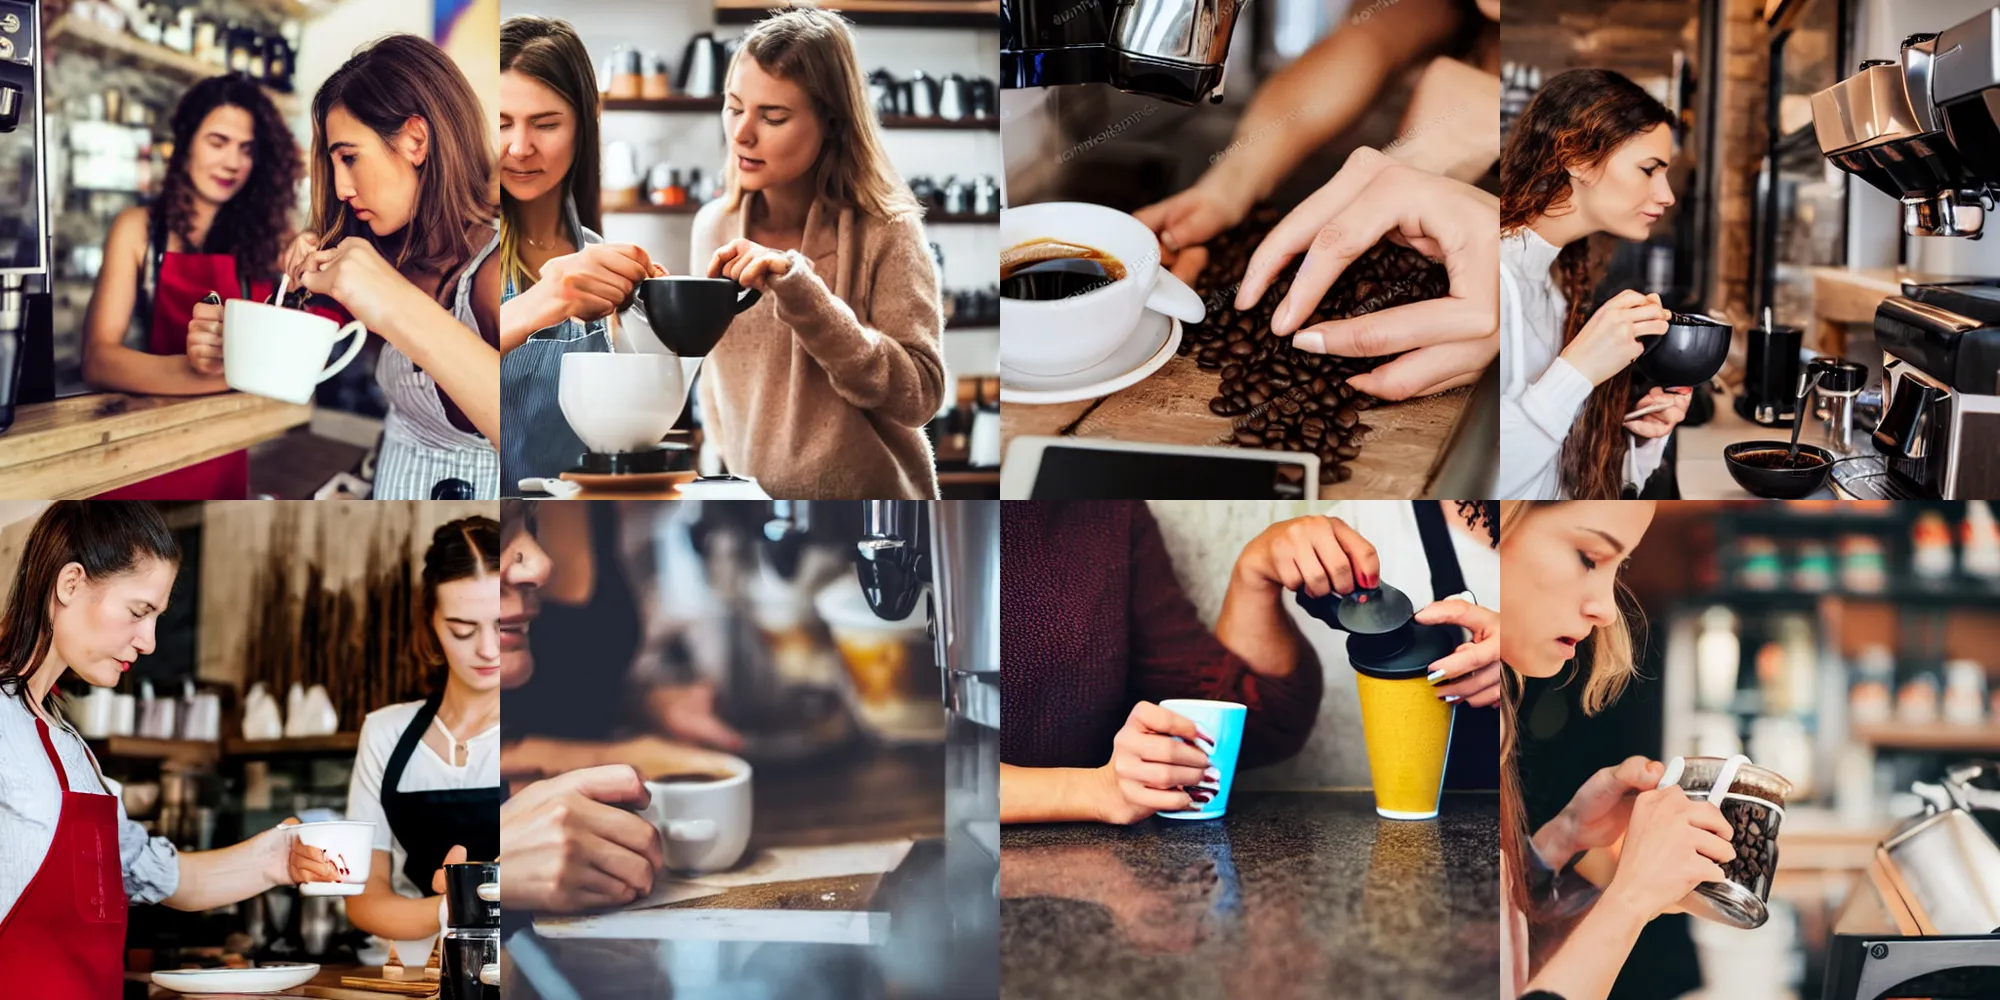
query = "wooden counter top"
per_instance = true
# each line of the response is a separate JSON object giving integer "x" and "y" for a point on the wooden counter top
{"x": 1171, "y": 407}
{"x": 84, "y": 445}
{"x": 1843, "y": 295}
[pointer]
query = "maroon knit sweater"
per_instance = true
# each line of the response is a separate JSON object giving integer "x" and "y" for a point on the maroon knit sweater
{"x": 1093, "y": 622}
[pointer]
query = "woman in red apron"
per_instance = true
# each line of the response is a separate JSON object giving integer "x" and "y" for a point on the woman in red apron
{"x": 72, "y": 860}
{"x": 220, "y": 220}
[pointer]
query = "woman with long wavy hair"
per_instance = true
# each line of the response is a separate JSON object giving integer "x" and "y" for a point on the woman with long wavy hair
{"x": 1585, "y": 165}
{"x": 821, "y": 390}
{"x": 222, "y": 217}
{"x": 1579, "y": 888}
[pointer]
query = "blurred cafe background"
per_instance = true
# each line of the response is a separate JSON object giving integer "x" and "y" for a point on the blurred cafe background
{"x": 112, "y": 72}
{"x": 849, "y": 649}
{"x": 1797, "y": 223}
{"x": 930, "y": 67}
{"x": 306, "y": 606}
{"x": 1850, "y": 648}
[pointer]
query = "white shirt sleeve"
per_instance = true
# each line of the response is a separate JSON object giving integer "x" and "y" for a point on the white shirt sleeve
{"x": 364, "y": 788}
{"x": 1536, "y": 408}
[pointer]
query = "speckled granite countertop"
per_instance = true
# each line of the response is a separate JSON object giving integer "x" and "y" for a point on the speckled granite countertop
{"x": 1292, "y": 895}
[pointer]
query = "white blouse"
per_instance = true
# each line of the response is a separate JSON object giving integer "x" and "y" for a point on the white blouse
{"x": 425, "y": 772}
{"x": 31, "y": 802}
{"x": 1540, "y": 394}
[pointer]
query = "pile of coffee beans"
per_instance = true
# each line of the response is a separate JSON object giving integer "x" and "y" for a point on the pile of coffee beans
{"x": 1285, "y": 398}
{"x": 1756, "y": 843}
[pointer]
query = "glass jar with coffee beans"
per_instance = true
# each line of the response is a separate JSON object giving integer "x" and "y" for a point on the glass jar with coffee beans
{"x": 1754, "y": 805}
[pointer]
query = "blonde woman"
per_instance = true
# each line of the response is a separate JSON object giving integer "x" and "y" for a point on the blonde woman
{"x": 1636, "y": 850}
{"x": 822, "y": 389}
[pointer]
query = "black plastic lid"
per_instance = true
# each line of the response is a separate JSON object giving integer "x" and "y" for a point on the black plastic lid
{"x": 463, "y": 905}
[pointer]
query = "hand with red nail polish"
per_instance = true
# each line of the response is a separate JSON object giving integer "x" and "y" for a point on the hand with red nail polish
{"x": 1319, "y": 555}
{"x": 1156, "y": 759}
{"x": 1472, "y": 672}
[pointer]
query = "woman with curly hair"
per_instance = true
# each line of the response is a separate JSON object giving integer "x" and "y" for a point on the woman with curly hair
{"x": 218, "y": 225}
{"x": 1585, "y": 164}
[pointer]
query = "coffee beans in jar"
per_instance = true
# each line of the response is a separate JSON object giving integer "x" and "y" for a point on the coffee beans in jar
{"x": 1281, "y": 397}
{"x": 1755, "y": 809}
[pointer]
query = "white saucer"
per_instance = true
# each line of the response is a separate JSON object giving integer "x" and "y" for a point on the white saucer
{"x": 1152, "y": 343}
{"x": 264, "y": 979}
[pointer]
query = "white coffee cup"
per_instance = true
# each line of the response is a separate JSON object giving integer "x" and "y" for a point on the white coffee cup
{"x": 349, "y": 844}
{"x": 276, "y": 352}
{"x": 703, "y": 825}
{"x": 621, "y": 402}
{"x": 1063, "y": 336}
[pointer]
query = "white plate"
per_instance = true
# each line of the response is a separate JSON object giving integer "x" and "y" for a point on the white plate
{"x": 1151, "y": 345}
{"x": 263, "y": 979}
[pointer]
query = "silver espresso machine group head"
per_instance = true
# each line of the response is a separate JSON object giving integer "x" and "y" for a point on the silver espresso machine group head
{"x": 1925, "y": 129}
{"x": 25, "y": 230}
{"x": 1171, "y": 50}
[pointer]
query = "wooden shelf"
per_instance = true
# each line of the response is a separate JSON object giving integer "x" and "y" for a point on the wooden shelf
{"x": 650, "y": 209}
{"x": 1898, "y": 736}
{"x": 136, "y": 748}
{"x": 80, "y": 446}
{"x": 671, "y": 105}
{"x": 71, "y": 30}
{"x": 988, "y": 124}
{"x": 883, "y": 13}
{"x": 943, "y": 218}
{"x": 336, "y": 743}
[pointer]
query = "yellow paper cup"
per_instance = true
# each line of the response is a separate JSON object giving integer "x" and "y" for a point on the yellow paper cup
{"x": 1409, "y": 733}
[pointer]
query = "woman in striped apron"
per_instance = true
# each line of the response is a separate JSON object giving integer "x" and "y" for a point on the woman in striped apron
{"x": 403, "y": 238}
{"x": 562, "y": 279}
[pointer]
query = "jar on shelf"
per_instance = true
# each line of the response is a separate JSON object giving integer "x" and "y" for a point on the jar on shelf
{"x": 1754, "y": 805}
{"x": 1813, "y": 568}
{"x": 1863, "y": 567}
{"x": 1869, "y": 702}
{"x": 1964, "y": 693}
{"x": 1758, "y": 566}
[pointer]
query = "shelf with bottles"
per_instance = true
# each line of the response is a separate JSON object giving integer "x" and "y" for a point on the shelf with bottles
{"x": 1940, "y": 554}
{"x": 75, "y": 30}
{"x": 1941, "y": 737}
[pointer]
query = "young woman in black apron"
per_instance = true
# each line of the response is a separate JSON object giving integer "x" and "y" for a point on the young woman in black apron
{"x": 436, "y": 800}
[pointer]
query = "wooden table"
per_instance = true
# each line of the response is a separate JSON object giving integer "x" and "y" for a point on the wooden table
{"x": 1171, "y": 407}
{"x": 85, "y": 445}
{"x": 1843, "y": 295}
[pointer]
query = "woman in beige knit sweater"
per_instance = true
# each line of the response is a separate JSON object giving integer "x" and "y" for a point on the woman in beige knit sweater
{"x": 822, "y": 389}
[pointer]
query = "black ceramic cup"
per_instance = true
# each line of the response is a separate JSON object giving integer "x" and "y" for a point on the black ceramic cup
{"x": 1689, "y": 353}
{"x": 690, "y": 314}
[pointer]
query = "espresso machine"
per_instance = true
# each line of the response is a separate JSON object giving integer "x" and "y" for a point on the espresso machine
{"x": 1925, "y": 129}
{"x": 947, "y": 552}
{"x": 1171, "y": 50}
{"x": 26, "y": 339}
{"x": 1925, "y": 920}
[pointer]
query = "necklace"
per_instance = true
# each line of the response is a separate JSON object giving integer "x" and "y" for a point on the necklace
{"x": 459, "y": 748}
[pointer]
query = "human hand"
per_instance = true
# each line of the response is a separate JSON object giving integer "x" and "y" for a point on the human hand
{"x": 1471, "y": 673}
{"x": 1186, "y": 221}
{"x": 573, "y": 842}
{"x": 1597, "y": 815}
{"x": 1155, "y": 766}
{"x": 1663, "y": 422}
{"x": 749, "y": 264}
{"x": 1609, "y": 340}
{"x": 452, "y": 857}
{"x": 294, "y": 862}
{"x": 1316, "y": 554}
{"x": 355, "y": 275}
{"x": 687, "y": 711}
{"x": 595, "y": 281}
{"x": 292, "y": 261}
{"x": 1672, "y": 844}
{"x": 204, "y": 339}
{"x": 1449, "y": 341}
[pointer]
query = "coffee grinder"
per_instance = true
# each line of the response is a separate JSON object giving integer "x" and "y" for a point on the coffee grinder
{"x": 26, "y": 337}
{"x": 948, "y": 551}
{"x": 1925, "y": 129}
{"x": 1170, "y": 50}
{"x": 1925, "y": 919}
{"x": 471, "y": 966}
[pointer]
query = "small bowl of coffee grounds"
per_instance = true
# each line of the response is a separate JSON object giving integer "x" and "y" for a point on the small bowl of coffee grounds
{"x": 1767, "y": 469}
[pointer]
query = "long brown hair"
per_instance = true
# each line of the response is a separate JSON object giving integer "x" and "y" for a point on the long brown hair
{"x": 105, "y": 537}
{"x": 252, "y": 225}
{"x": 1575, "y": 122}
{"x": 465, "y": 549}
{"x": 1607, "y": 662}
{"x": 547, "y": 50}
{"x": 814, "y": 49}
{"x": 396, "y": 78}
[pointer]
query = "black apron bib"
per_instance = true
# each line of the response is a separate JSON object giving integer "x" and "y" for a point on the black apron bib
{"x": 430, "y": 824}
{"x": 1473, "y": 761}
